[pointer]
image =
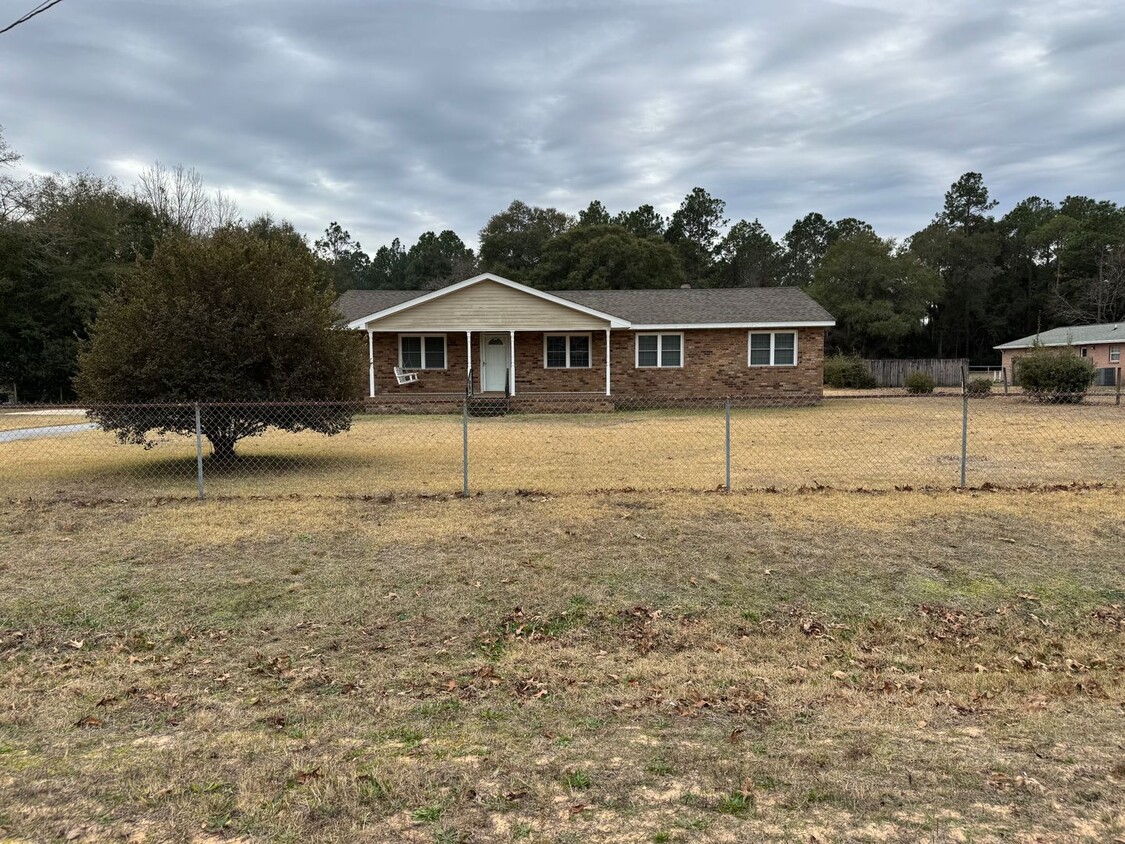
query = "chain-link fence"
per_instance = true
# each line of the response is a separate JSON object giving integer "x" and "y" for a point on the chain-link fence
{"x": 556, "y": 444}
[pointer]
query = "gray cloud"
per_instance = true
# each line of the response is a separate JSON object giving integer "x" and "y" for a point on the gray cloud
{"x": 397, "y": 117}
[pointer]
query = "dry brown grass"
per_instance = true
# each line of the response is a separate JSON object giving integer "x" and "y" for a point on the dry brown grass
{"x": 911, "y": 666}
{"x": 17, "y": 420}
{"x": 849, "y": 444}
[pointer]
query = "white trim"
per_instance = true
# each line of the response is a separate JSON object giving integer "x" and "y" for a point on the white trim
{"x": 568, "y": 335}
{"x": 371, "y": 363}
{"x": 773, "y": 350}
{"x": 500, "y": 329}
{"x": 779, "y": 324}
{"x": 1007, "y": 347}
{"x": 1115, "y": 350}
{"x": 659, "y": 350}
{"x": 614, "y": 322}
{"x": 423, "y": 336}
{"x": 1015, "y": 345}
{"x": 512, "y": 359}
{"x": 607, "y": 381}
{"x": 480, "y": 340}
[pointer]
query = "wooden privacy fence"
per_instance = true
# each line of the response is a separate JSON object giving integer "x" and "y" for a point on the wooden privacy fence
{"x": 946, "y": 372}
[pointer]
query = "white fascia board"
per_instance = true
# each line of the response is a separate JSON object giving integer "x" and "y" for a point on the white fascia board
{"x": 614, "y": 322}
{"x": 686, "y": 326}
{"x": 1011, "y": 346}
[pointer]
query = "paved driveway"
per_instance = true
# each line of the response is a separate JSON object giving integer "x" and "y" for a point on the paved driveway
{"x": 42, "y": 433}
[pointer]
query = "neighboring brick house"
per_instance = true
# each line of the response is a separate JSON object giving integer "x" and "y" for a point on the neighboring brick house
{"x": 490, "y": 336}
{"x": 1100, "y": 344}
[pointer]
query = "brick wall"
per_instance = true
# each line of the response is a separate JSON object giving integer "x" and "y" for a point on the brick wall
{"x": 715, "y": 366}
{"x": 448, "y": 380}
{"x": 533, "y": 377}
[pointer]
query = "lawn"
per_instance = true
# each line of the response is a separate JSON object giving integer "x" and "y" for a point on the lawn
{"x": 844, "y": 443}
{"x": 16, "y": 420}
{"x": 633, "y": 667}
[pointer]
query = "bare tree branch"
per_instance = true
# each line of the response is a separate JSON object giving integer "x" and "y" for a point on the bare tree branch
{"x": 178, "y": 197}
{"x": 224, "y": 210}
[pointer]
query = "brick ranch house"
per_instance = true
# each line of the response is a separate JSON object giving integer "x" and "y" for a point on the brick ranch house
{"x": 489, "y": 336}
{"x": 1100, "y": 344}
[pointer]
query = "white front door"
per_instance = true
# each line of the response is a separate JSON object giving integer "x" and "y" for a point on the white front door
{"x": 494, "y": 362}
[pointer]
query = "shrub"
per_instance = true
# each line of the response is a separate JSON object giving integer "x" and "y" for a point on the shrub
{"x": 919, "y": 382}
{"x": 1055, "y": 374}
{"x": 979, "y": 387}
{"x": 848, "y": 372}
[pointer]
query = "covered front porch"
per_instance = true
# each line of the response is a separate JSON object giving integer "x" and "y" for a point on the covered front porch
{"x": 487, "y": 336}
{"x": 429, "y": 362}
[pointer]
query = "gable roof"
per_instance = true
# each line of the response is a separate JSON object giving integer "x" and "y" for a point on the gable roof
{"x": 736, "y": 307}
{"x": 422, "y": 297}
{"x": 1071, "y": 335}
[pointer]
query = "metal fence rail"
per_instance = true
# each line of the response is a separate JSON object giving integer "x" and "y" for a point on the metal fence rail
{"x": 556, "y": 444}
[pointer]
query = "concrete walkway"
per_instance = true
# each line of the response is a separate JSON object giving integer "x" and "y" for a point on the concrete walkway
{"x": 48, "y": 431}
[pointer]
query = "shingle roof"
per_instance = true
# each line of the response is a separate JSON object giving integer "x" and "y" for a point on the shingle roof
{"x": 711, "y": 306}
{"x": 1071, "y": 335}
{"x": 354, "y": 304}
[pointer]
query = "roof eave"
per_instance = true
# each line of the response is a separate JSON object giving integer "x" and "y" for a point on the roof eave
{"x": 776, "y": 323}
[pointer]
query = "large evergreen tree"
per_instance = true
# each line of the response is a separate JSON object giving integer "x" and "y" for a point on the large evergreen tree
{"x": 230, "y": 317}
{"x": 963, "y": 244}
{"x": 880, "y": 295}
{"x": 594, "y": 257}
{"x": 512, "y": 242}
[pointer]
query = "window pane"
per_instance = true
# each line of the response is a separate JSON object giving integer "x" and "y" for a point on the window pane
{"x": 435, "y": 353}
{"x": 580, "y": 351}
{"x": 646, "y": 350}
{"x": 759, "y": 350}
{"x": 784, "y": 348}
{"x": 670, "y": 350}
{"x": 556, "y": 352}
{"x": 411, "y": 352}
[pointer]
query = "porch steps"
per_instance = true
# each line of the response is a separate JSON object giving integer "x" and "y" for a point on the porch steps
{"x": 498, "y": 405}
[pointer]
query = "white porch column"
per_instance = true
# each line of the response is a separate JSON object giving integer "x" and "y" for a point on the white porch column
{"x": 512, "y": 355}
{"x": 607, "y": 383}
{"x": 469, "y": 359}
{"x": 371, "y": 362}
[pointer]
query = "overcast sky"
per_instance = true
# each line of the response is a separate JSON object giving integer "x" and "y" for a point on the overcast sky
{"x": 399, "y": 116}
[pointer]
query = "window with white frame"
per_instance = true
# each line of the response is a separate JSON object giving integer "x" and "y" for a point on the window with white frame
{"x": 660, "y": 351}
{"x": 566, "y": 351}
{"x": 421, "y": 351}
{"x": 1114, "y": 354}
{"x": 773, "y": 348}
{"x": 1085, "y": 352}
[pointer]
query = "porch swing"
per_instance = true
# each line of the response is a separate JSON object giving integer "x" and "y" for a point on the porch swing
{"x": 404, "y": 377}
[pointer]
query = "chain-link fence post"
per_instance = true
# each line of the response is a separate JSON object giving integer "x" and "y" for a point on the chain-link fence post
{"x": 964, "y": 423}
{"x": 198, "y": 451}
{"x": 465, "y": 448}
{"x": 728, "y": 445}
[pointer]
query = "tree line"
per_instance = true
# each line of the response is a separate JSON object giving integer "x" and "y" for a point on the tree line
{"x": 969, "y": 280}
{"x": 966, "y": 282}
